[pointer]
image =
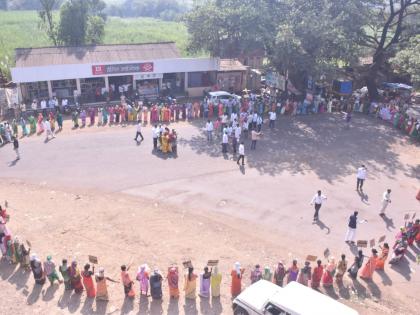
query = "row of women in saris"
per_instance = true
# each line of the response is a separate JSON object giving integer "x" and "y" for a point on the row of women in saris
{"x": 37, "y": 125}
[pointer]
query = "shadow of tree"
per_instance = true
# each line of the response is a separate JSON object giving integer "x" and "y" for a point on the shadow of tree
{"x": 317, "y": 143}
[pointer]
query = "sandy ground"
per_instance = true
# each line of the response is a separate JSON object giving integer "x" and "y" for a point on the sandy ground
{"x": 95, "y": 192}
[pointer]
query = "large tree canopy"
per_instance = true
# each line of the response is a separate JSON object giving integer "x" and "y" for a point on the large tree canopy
{"x": 306, "y": 37}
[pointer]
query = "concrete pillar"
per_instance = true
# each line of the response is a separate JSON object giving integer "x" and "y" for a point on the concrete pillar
{"x": 186, "y": 82}
{"x": 50, "y": 93}
{"x": 106, "y": 83}
{"x": 134, "y": 83}
{"x": 78, "y": 88}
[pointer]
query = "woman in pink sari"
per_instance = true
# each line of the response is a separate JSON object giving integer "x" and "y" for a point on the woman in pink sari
{"x": 220, "y": 109}
{"x": 143, "y": 279}
{"x": 154, "y": 114}
{"x": 40, "y": 123}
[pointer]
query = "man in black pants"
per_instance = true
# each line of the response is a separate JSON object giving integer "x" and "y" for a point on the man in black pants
{"x": 241, "y": 150}
{"x": 138, "y": 133}
{"x": 317, "y": 201}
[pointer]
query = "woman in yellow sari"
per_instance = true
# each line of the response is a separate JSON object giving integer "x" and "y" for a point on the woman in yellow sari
{"x": 190, "y": 284}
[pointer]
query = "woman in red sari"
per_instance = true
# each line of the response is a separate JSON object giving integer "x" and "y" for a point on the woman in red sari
{"x": 328, "y": 277}
{"x": 380, "y": 263}
{"x": 370, "y": 266}
{"x": 317, "y": 275}
{"x": 88, "y": 281}
{"x": 236, "y": 274}
{"x": 154, "y": 114}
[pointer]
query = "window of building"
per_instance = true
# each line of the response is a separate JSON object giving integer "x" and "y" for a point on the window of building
{"x": 93, "y": 89}
{"x": 34, "y": 90}
{"x": 63, "y": 88}
{"x": 201, "y": 79}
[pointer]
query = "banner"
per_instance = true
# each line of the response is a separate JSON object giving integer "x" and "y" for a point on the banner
{"x": 122, "y": 68}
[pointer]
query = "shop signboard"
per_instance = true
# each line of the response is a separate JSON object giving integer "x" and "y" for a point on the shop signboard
{"x": 122, "y": 68}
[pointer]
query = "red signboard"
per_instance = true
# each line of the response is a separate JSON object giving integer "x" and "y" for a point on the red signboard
{"x": 122, "y": 68}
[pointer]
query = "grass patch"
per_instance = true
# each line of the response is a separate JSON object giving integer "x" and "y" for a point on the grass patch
{"x": 20, "y": 29}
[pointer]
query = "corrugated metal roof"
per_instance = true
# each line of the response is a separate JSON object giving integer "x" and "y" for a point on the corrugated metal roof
{"x": 231, "y": 65}
{"x": 35, "y": 57}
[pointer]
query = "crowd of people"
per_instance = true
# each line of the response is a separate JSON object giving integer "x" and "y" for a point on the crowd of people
{"x": 80, "y": 279}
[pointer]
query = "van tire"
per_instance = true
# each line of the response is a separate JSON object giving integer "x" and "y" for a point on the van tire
{"x": 240, "y": 311}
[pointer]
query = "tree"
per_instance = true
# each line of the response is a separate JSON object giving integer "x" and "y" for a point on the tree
{"x": 230, "y": 27}
{"x": 47, "y": 22}
{"x": 387, "y": 25}
{"x": 81, "y": 22}
{"x": 95, "y": 30}
{"x": 407, "y": 60}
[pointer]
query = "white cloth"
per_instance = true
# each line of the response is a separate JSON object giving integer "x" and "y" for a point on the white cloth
{"x": 155, "y": 132}
{"x": 139, "y": 127}
{"x": 64, "y": 102}
{"x": 241, "y": 149}
{"x": 209, "y": 126}
{"x": 225, "y": 138}
{"x": 350, "y": 235}
{"x": 237, "y": 133}
{"x": 384, "y": 205}
{"x": 43, "y": 104}
{"x": 318, "y": 199}
{"x": 361, "y": 173}
{"x": 273, "y": 115}
{"x": 386, "y": 197}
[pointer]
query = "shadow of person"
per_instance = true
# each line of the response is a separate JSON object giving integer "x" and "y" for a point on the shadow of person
{"x": 34, "y": 296}
{"x": 144, "y": 305}
{"x": 242, "y": 169}
{"x": 173, "y": 307}
{"x": 74, "y": 302}
{"x": 343, "y": 291}
{"x": 403, "y": 268}
{"x": 322, "y": 226}
{"x": 156, "y": 307}
{"x": 331, "y": 292}
{"x": 389, "y": 222}
{"x": 384, "y": 277}
{"x": 216, "y": 306}
{"x": 353, "y": 248}
{"x": 205, "y": 305}
{"x": 48, "y": 295}
{"x": 87, "y": 307}
{"x": 19, "y": 278}
{"x": 64, "y": 300}
{"x": 128, "y": 306}
{"x": 374, "y": 289}
{"x": 101, "y": 307}
{"x": 190, "y": 307}
{"x": 14, "y": 162}
{"x": 415, "y": 249}
{"x": 358, "y": 289}
{"x": 363, "y": 197}
{"x": 6, "y": 269}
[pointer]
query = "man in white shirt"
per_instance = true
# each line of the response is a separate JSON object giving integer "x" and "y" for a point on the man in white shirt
{"x": 48, "y": 130}
{"x": 259, "y": 123}
{"x": 361, "y": 176}
{"x": 254, "y": 120}
{"x": 233, "y": 117}
{"x": 273, "y": 117}
{"x": 34, "y": 105}
{"x": 241, "y": 151}
{"x": 43, "y": 104}
{"x": 254, "y": 137}
{"x": 317, "y": 201}
{"x": 138, "y": 132}
{"x": 209, "y": 129}
{"x": 386, "y": 199}
{"x": 64, "y": 102}
{"x": 155, "y": 133}
{"x": 225, "y": 141}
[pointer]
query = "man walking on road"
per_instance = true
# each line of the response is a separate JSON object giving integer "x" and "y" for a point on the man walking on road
{"x": 361, "y": 176}
{"x": 138, "y": 133}
{"x": 273, "y": 117}
{"x": 317, "y": 201}
{"x": 48, "y": 130}
{"x": 254, "y": 137}
{"x": 16, "y": 147}
{"x": 351, "y": 229}
{"x": 241, "y": 150}
{"x": 386, "y": 199}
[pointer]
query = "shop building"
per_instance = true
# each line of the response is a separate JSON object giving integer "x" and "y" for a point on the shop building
{"x": 103, "y": 72}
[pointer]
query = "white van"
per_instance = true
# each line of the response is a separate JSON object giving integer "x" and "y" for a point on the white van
{"x": 222, "y": 97}
{"x": 266, "y": 298}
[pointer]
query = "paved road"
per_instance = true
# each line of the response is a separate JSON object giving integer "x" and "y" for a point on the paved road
{"x": 274, "y": 189}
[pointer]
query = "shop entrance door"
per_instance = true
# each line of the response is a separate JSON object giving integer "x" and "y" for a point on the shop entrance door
{"x": 120, "y": 85}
